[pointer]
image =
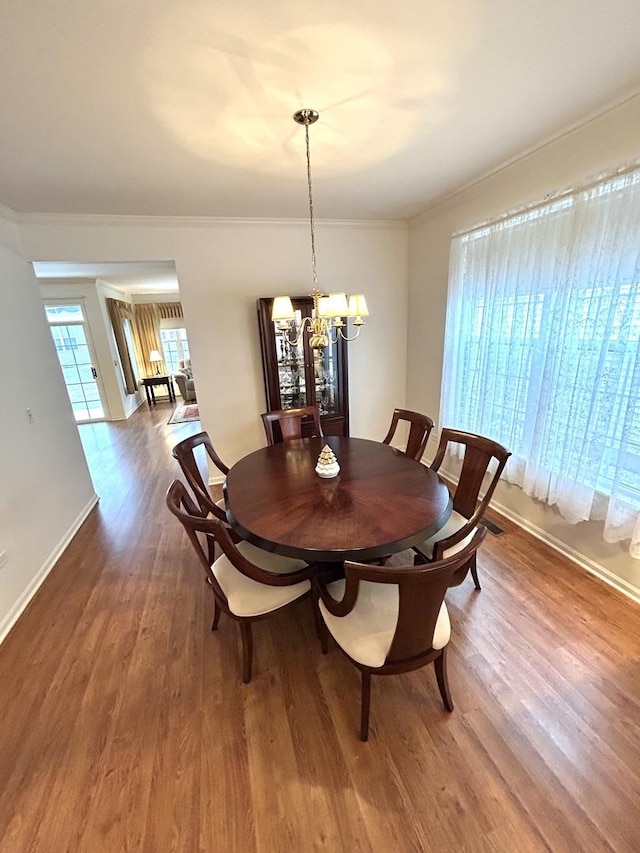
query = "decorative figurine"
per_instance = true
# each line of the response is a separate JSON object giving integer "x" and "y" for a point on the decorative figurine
{"x": 327, "y": 463}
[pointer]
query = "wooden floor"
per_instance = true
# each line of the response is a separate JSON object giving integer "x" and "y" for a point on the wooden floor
{"x": 124, "y": 725}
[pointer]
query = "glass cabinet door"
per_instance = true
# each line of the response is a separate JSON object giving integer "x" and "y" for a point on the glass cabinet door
{"x": 290, "y": 360}
{"x": 325, "y": 378}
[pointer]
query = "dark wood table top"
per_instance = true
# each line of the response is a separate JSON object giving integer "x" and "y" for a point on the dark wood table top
{"x": 380, "y": 503}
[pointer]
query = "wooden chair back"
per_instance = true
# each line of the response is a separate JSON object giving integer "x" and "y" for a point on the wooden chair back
{"x": 420, "y": 427}
{"x": 284, "y": 424}
{"x": 185, "y": 453}
{"x": 478, "y": 455}
{"x": 202, "y": 531}
{"x": 421, "y": 590}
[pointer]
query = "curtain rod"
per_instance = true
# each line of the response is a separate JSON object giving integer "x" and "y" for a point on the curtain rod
{"x": 550, "y": 198}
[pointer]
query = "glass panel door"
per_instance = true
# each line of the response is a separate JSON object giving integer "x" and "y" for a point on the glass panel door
{"x": 291, "y": 366}
{"x": 73, "y": 347}
{"x": 325, "y": 376}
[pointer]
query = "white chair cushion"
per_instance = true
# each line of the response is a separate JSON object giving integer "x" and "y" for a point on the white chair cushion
{"x": 367, "y": 632}
{"x": 247, "y": 597}
{"x": 268, "y": 561}
{"x": 454, "y": 523}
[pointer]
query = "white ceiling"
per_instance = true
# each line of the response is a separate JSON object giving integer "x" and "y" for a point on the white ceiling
{"x": 160, "y": 107}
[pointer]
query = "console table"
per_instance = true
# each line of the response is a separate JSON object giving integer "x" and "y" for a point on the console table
{"x": 150, "y": 382}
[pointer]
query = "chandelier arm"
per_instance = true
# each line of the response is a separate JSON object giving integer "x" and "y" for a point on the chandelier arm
{"x": 353, "y": 337}
{"x": 333, "y": 340}
{"x": 298, "y": 338}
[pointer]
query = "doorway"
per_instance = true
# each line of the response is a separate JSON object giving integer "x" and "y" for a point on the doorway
{"x": 74, "y": 348}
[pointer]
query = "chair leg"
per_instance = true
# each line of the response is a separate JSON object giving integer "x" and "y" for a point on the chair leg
{"x": 440, "y": 664}
{"x": 247, "y": 649}
{"x": 366, "y": 701}
{"x": 474, "y": 573}
{"x": 324, "y": 638}
{"x": 321, "y": 629}
{"x": 323, "y": 633}
{"x": 217, "y": 610}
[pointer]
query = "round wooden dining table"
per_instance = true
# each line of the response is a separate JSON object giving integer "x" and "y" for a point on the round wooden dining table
{"x": 381, "y": 502}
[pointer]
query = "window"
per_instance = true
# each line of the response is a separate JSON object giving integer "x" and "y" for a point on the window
{"x": 543, "y": 350}
{"x": 175, "y": 347}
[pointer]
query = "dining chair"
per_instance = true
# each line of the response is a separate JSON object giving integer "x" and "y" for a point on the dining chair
{"x": 247, "y": 583}
{"x": 420, "y": 427}
{"x": 284, "y": 424}
{"x": 480, "y": 454}
{"x": 389, "y": 619}
{"x": 185, "y": 453}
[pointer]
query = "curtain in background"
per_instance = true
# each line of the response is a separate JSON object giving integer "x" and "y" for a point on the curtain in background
{"x": 542, "y": 350}
{"x": 118, "y": 312}
{"x": 147, "y": 324}
{"x": 148, "y": 333}
{"x": 169, "y": 310}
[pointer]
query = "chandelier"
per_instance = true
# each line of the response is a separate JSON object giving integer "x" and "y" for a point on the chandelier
{"x": 328, "y": 321}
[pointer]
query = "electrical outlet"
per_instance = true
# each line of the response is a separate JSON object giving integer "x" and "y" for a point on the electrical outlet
{"x": 29, "y": 414}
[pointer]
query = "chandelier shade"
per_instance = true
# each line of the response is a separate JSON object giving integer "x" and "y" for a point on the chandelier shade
{"x": 282, "y": 308}
{"x": 330, "y": 314}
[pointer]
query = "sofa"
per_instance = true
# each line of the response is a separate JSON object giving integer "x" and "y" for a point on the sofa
{"x": 183, "y": 377}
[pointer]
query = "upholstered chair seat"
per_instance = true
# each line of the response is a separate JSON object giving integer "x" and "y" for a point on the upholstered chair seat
{"x": 246, "y": 597}
{"x": 455, "y": 522}
{"x": 366, "y": 633}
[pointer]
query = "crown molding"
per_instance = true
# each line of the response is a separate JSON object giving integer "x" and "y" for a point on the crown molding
{"x": 97, "y": 220}
{"x": 477, "y": 182}
{"x": 8, "y": 213}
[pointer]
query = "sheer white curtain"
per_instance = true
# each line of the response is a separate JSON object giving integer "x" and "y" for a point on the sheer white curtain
{"x": 542, "y": 350}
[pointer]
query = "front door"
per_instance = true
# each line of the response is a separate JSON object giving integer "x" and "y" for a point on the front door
{"x": 75, "y": 352}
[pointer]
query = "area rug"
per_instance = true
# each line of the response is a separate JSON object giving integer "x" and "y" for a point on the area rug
{"x": 182, "y": 414}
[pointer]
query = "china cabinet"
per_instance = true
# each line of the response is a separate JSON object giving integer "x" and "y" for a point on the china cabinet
{"x": 296, "y": 375}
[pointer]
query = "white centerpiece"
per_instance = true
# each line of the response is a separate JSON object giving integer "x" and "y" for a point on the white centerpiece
{"x": 327, "y": 463}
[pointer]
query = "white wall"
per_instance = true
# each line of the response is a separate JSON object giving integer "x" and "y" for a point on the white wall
{"x": 604, "y": 143}
{"x": 222, "y": 268}
{"x": 45, "y": 487}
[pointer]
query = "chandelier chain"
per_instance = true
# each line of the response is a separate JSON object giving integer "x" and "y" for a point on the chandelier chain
{"x": 326, "y": 322}
{"x": 311, "y": 219}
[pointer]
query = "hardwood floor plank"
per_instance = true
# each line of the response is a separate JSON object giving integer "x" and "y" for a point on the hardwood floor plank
{"x": 126, "y": 727}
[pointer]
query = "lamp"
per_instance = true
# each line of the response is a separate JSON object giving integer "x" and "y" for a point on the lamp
{"x": 329, "y": 312}
{"x": 154, "y": 355}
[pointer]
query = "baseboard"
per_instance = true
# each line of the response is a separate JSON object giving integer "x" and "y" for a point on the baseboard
{"x": 19, "y": 607}
{"x": 561, "y": 547}
{"x": 217, "y": 480}
{"x": 576, "y": 557}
